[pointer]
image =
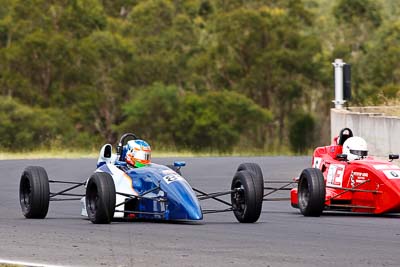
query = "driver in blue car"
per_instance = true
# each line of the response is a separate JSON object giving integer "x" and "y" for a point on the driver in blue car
{"x": 138, "y": 153}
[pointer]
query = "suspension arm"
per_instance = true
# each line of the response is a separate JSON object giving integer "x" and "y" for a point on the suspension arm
{"x": 203, "y": 195}
{"x": 283, "y": 187}
{"x": 71, "y": 195}
{"x": 64, "y": 199}
{"x": 217, "y": 211}
{"x": 65, "y": 182}
{"x": 66, "y": 190}
{"x": 149, "y": 191}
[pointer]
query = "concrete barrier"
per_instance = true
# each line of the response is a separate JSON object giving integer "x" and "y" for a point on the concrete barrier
{"x": 380, "y": 130}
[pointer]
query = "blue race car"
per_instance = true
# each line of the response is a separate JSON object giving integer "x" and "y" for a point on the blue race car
{"x": 154, "y": 192}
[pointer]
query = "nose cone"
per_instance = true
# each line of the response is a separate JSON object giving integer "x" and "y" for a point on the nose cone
{"x": 182, "y": 201}
{"x": 193, "y": 212}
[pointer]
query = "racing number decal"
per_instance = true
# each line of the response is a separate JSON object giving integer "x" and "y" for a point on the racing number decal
{"x": 391, "y": 171}
{"x": 317, "y": 163}
{"x": 335, "y": 175}
{"x": 392, "y": 174}
{"x": 172, "y": 178}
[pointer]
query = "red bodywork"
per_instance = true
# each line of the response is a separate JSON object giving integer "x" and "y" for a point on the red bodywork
{"x": 366, "y": 185}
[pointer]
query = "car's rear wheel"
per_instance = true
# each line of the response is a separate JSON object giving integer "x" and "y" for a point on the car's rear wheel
{"x": 311, "y": 192}
{"x": 100, "y": 198}
{"x": 34, "y": 192}
{"x": 245, "y": 202}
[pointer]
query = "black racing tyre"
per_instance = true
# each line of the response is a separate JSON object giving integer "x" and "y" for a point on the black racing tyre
{"x": 34, "y": 192}
{"x": 311, "y": 192}
{"x": 258, "y": 177}
{"x": 245, "y": 203}
{"x": 176, "y": 169}
{"x": 100, "y": 198}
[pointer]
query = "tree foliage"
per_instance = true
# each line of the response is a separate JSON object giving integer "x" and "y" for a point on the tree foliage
{"x": 23, "y": 128}
{"x": 194, "y": 74}
{"x": 302, "y": 132}
{"x": 210, "y": 122}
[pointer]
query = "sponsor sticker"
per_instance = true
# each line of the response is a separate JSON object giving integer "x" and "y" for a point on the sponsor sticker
{"x": 361, "y": 175}
{"x": 392, "y": 174}
{"x": 335, "y": 175}
{"x": 358, "y": 177}
{"x": 172, "y": 178}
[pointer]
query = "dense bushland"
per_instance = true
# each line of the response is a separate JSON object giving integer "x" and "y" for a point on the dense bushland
{"x": 197, "y": 75}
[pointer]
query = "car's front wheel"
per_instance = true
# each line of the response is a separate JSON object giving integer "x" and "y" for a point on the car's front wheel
{"x": 311, "y": 192}
{"x": 34, "y": 192}
{"x": 100, "y": 198}
{"x": 245, "y": 202}
{"x": 258, "y": 177}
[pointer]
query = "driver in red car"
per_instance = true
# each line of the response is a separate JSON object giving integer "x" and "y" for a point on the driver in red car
{"x": 353, "y": 146}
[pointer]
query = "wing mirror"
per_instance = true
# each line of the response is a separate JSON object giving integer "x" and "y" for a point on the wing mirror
{"x": 107, "y": 151}
{"x": 105, "y": 155}
{"x": 341, "y": 157}
{"x": 393, "y": 156}
{"x": 179, "y": 164}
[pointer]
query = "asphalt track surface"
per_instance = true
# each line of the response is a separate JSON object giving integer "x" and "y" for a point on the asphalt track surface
{"x": 281, "y": 237}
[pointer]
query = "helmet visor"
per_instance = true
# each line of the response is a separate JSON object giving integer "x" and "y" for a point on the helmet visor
{"x": 361, "y": 153}
{"x": 143, "y": 157}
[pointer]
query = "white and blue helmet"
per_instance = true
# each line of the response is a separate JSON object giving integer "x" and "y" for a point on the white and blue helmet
{"x": 138, "y": 154}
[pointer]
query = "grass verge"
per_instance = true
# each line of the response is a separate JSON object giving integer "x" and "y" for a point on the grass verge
{"x": 72, "y": 154}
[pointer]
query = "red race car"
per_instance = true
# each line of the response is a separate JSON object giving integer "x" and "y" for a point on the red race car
{"x": 344, "y": 178}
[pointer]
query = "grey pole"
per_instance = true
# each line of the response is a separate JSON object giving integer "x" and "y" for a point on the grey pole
{"x": 338, "y": 65}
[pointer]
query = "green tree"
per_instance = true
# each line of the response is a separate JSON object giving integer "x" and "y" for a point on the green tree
{"x": 96, "y": 101}
{"x": 262, "y": 51}
{"x": 165, "y": 40}
{"x": 23, "y": 128}
{"x": 210, "y": 122}
{"x": 302, "y": 132}
{"x": 191, "y": 67}
{"x": 380, "y": 68}
{"x": 358, "y": 20}
{"x": 358, "y": 13}
{"x": 150, "y": 112}
{"x": 215, "y": 121}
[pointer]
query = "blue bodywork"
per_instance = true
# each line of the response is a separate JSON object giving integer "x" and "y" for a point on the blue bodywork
{"x": 172, "y": 199}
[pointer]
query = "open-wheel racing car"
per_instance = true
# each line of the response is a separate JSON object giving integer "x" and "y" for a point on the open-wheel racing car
{"x": 116, "y": 190}
{"x": 344, "y": 178}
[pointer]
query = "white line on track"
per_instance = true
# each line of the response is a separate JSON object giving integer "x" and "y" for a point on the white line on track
{"x": 24, "y": 263}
